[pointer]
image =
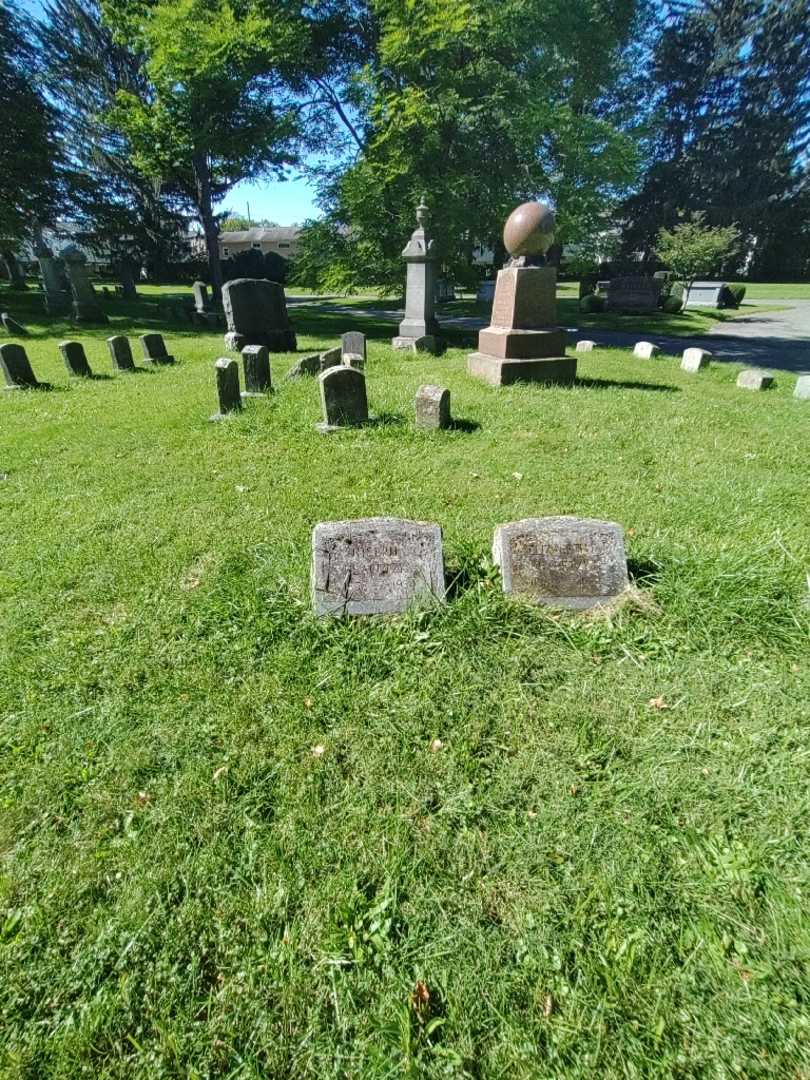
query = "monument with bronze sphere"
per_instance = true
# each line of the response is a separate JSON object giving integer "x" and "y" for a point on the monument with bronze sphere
{"x": 522, "y": 343}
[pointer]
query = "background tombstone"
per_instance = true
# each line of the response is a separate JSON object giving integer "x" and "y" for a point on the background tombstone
{"x": 754, "y": 379}
{"x": 54, "y": 281}
{"x": 17, "y": 368}
{"x": 636, "y": 295}
{"x": 16, "y": 277}
{"x": 331, "y": 358}
{"x": 353, "y": 344}
{"x": 86, "y": 306}
{"x": 343, "y": 398}
{"x": 432, "y": 407}
{"x": 375, "y": 566}
{"x": 695, "y": 359}
{"x": 256, "y": 361}
{"x": 75, "y": 359}
{"x": 154, "y": 349}
{"x": 121, "y": 353}
{"x": 645, "y": 350}
{"x": 564, "y": 562}
{"x": 307, "y": 365}
{"x": 419, "y": 321}
{"x": 230, "y": 400}
{"x": 202, "y": 303}
{"x": 802, "y": 388}
{"x": 12, "y": 326}
{"x": 705, "y": 294}
{"x": 256, "y": 314}
{"x": 585, "y": 346}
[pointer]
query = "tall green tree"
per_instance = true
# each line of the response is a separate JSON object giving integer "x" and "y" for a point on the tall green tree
{"x": 218, "y": 109}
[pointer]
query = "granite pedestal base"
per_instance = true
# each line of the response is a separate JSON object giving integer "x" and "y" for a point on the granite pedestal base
{"x": 498, "y": 371}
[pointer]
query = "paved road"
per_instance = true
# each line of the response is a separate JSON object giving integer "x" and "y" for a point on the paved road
{"x": 769, "y": 339}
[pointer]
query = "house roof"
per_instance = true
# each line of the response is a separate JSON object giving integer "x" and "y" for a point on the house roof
{"x": 247, "y": 236}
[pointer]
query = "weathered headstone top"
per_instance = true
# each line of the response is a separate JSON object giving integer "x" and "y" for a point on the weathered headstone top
{"x": 585, "y": 346}
{"x": 432, "y": 407}
{"x": 228, "y": 396}
{"x": 645, "y": 350}
{"x": 755, "y": 379}
{"x": 353, "y": 343}
{"x": 331, "y": 357}
{"x": 17, "y": 368}
{"x": 343, "y": 398}
{"x": 564, "y": 562}
{"x": 154, "y": 349}
{"x": 201, "y": 301}
{"x": 256, "y": 360}
{"x": 256, "y": 314}
{"x": 121, "y": 353}
{"x": 634, "y": 295}
{"x": 375, "y": 566}
{"x": 75, "y": 359}
{"x": 802, "y": 388}
{"x": 694, "y": 359}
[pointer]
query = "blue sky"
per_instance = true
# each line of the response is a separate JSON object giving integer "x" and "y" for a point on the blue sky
{"x": 287, "y": 202}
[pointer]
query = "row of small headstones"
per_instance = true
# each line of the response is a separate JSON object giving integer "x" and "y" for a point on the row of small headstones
{"x": 695, "y": 360}
{"x": 344, "y": 400}
{"x": 19, "y": 373}
{"x": 383, "y": 566}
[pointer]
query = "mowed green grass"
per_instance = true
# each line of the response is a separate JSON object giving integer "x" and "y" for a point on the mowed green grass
{"x": 231, "y": 846}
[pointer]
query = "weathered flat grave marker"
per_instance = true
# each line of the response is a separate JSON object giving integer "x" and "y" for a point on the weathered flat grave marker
{"x": 565, "y": 562}
{"x": 121, "y": 353}
{"x": 75, "y": 359}
{"x": 307, "y": 365}
{"x": 331, "y": 358}
{"x": 432, "y": 407}
{"x": 17, "y": 368}
{"x": 256, "y": 360}
{"x": 230, "y": 400}
{"x": 754, "y": 379}
{"x": 634, "y": 295}
{"x": 705, "y": 294}
{"x": 585, "y": 346}
{"x": 802, "y": 388}
{"x": 375, "y": 566}
{"x": 343, "y": 398}
{"x": 154, "y": 349}
{"x": 645, "y": 350}
{"x": 695, "y": 360}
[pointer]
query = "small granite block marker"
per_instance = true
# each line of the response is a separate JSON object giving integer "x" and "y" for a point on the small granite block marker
{"x": 343, "y": 398}
{"x": 754, "y": 379}
{"x": 802, "y": 390}
{"x": 585, "y": 346}
{"x": 375, "y": 566}
{"x": 695, "y": 360}
{"x": 121, "y": 353}
{"x": 645, "y": 350}
{"x": 432, "y": 407}
{"x": 353, "y": 344}
{"x": 75, "y": 359}
{"x": 230, "y": 400}
{"x": 17, "y": 368}
{"x": 256, "y": 360}
{"x": 12, "y": 326}
{"x": 154, "y": 349}
{"x": 307, "y": 365}
{"x": 331, "y": 358}
{"x": 564, "y": 562}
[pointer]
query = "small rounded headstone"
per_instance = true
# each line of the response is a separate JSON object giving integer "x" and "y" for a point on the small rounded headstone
{"x": 529, "y": 229}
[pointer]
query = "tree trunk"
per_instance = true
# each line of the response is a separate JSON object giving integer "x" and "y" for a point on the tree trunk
{"x": 15, "y": 274}
{"x": 202, "y": 178}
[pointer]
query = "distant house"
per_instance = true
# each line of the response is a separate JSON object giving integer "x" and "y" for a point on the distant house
{"x": 283, "y": 240}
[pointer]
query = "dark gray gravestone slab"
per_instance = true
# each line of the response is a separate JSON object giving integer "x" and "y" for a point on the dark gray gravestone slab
{"x": 256, "y": 359}
{"x": 564, "y": 562}
{"x": 343, "y": 398}
{"x": 256, "y": 314}
{"x": 432, "y": 407}
{"x": 17, "y": 368}
{"x": 200, "y": 291}
{"x": 633, "y": 295}
{"x": 331, "y": 358}
{"x": 75, "y": 359}
{"x": 705, "y": 294}
{"x": 230, "y": 400}
{"x": 12, "y": 326}
{"x": 121, "y": 353}
{"x": 353, "y": 343}
{"x": 154, "y": 349}
{"x": 307, "y": 365}
{"x": 375, "y": 566}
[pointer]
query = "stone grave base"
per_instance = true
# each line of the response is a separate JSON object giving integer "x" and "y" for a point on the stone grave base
{"x": 275, "y": 340}
{"x": 329, "y": 429}
{"x": 506, "y": 343}
{"x": 499, "y": 372}
{"x": 427, "y": 343}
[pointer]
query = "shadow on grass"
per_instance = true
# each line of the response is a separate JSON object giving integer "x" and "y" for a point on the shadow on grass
{"x": 643, "y": 571}
{"x": 611, "y": 384}
{"x": 459, "y": 424}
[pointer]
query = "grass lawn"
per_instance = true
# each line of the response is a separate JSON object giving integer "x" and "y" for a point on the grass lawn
{"x": 229, "y": 849}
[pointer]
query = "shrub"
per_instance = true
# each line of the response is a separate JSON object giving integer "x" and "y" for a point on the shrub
{"x": 592, "y": 303}
{"x": 587, "y": 285}
{"x": 732, "y": 296}
{"x": 673, "y": 303}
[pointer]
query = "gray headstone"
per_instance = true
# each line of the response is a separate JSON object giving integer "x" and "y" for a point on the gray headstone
{"x": 86, "y": 306}
{"x": 705, "y": 294}
{"x": 55, "y": 285}
{"x": 432, "y": 407}
{"x": 754, "y": 379}
{"x": 331, "y": 358}
{"x": 121, "y": 353}
{"x": 635, "y": 295}
{"x": 426, "y": 343}
{"x": 695, "y": 359}
{"x": 585, "y": 346}
{"x": 802, "y": 390}
{"x": 256, "y": 360}
{"x": 307, "y": 365}
{"x": 230, "y": 400}
{"x": 343, "y": 398}
{"x": 353, "y": 343}
{"x": 12, "y": 326}
{"x": 75, "y": 358}
{"x": 645, "y": 350}
{"x": 154, "y": 349}
{"x": 375, "y": 566}
{"x": 16, "y": 368}
{"x": 421, "y": 260}
{"x": 564, "y": 562}
{"x": 201, "y": 302}
{"x": 256, "y": 314}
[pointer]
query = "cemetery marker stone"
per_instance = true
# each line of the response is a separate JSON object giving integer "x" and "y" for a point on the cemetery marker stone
{"x": 564, "y": 562}
{"x": 331, "y": 357}
{"x": 754, "y": 379}
{"x": 307, "y": 365}
{"x": 375, "y": 566}
{"x": 75, "y": 359}
{"x": 121, "y": 353}
{"x": 585, "y": 346}
{"x": 695, "y": 360}
{"x": 432, "y": 407}
{"x": 705, "y": 294}
{"x": 633, "y": 295}
{"x": 17, "y": 368}
{"x": 343, "y": 398}
{"x": 12, "y": 326}
{"x": 256, "y": 360}
{"x": 154, "y": 349}
{"x": 802, "y": 388}
{"x": 645, "y": 350}
{"x": 86, "y": 306}
{"x": 256, "y": 314}
{"x": 230, "y": 400}
{"x": 420, "y": 259}
{"x": 353, "y": 344}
